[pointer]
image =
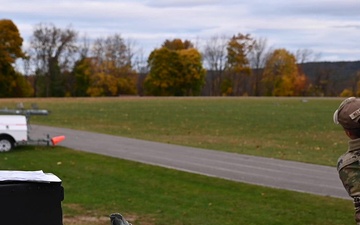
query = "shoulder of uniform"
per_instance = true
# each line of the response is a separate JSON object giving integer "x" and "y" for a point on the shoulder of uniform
{"x": 347, "y": 159}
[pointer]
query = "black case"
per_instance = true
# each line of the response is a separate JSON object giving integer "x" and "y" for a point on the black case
{"x": 31, "y": 203}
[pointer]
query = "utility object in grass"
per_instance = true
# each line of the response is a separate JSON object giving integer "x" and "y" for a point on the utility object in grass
{"x": 15, "y": 129}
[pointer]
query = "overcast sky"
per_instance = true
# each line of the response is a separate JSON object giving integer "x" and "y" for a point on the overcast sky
{"x": 330, "y": 28}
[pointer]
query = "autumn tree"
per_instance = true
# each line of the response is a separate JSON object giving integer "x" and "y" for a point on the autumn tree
{"x": 10, "y": 42}
{"x": 177, "y": 44}
{"x": 356, "y": 84}
{"x": 281, "y": 75}
{"x": 175, "y": 70}
{"x": 52, "y": 50}
{"x": 238, "y": 66}
{"x": 12, "y": 83}
{"x": 112, "y": 68}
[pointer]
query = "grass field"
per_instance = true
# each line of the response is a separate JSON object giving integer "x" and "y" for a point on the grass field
{"x": 287, "y": 128}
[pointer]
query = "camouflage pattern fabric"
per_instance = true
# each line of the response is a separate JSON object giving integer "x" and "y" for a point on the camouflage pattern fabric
{"x": 349, "y": 173}
{"x": 348, "y": 167}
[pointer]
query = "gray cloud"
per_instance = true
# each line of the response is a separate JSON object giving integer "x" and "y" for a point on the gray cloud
{"x": 180, "y": 3}
{"x": 326, "y": 26}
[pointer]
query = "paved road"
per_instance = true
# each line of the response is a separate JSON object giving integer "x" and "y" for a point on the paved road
{"x": 295, "y": 176}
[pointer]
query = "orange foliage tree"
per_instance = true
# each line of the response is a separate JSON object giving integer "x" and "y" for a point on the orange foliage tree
{"x": 282, "y": 76}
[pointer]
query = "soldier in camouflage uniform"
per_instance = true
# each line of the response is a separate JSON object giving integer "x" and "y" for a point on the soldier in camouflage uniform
{"x": 348, "y": 166}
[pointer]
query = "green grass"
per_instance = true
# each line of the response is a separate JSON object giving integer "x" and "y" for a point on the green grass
{"x": 286, "y": 128}
{"x": 99, "y": 185}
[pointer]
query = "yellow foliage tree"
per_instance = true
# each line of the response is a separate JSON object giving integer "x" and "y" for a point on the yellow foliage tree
{"x": 10, "y": 42}
{"x": 281, "y": 75}
{"x": 346, "y": 93}
{"x": 177, "y": 44}
{"x": 103, "y": 85}
{"x": 12, "y": 83}
{"x": 112, "y": 72}
{"x": 175, "y": 70}
{"x": 238, "y": 67}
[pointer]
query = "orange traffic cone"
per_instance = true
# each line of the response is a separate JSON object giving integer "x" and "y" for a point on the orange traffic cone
{"x": 57, "y": 139}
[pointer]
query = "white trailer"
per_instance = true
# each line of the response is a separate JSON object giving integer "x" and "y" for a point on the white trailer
{"x": 14, "y": 131}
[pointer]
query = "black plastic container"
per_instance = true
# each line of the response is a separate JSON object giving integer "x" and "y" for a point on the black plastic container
{"x": 31, "y": 203}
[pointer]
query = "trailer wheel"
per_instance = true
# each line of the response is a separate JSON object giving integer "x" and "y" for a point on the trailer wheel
{"x": 6, "y": 144}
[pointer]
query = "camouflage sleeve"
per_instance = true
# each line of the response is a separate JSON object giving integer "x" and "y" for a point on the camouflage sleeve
{"x": 349, "y": 173}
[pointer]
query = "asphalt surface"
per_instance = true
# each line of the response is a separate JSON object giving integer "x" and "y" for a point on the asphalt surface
{"x": 281, "y": 174}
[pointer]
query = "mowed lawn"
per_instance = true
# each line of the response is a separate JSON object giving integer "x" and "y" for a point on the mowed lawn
{"x": 298, "y": 129}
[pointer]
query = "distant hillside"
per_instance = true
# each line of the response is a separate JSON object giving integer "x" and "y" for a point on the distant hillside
{"x": 336, "y": 76}
{"x": 325, "y": 78}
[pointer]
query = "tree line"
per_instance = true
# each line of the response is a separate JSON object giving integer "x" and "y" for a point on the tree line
{"x": 58, "y": 63}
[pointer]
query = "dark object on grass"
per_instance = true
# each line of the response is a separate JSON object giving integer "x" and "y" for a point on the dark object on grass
{"x": 118, "y": 219}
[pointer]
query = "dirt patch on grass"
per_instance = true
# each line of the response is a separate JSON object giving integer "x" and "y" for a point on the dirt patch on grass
{"x": 86, "y": 220}
{"x": 102, "y": 220}
{"x": 93, "y": 218}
